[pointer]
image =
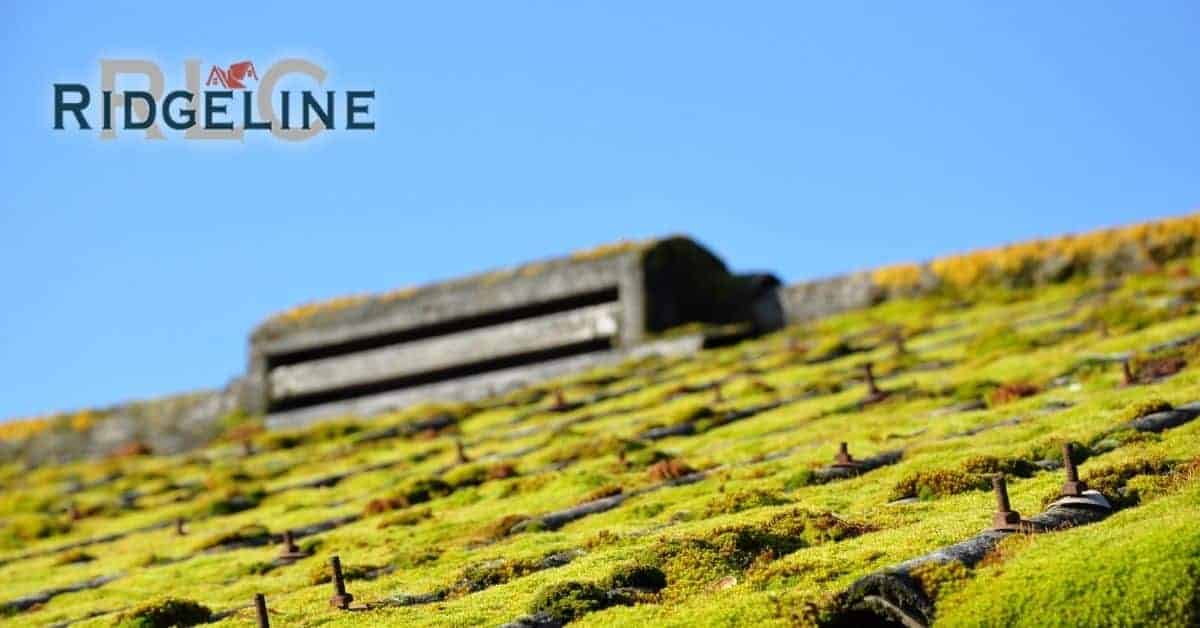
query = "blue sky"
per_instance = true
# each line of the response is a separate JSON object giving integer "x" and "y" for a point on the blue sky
{"x": 806, "y": 139}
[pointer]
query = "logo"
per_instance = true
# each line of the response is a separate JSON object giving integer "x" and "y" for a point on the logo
{"x": 233, "y": 77}
{"x": 232, "y": 102}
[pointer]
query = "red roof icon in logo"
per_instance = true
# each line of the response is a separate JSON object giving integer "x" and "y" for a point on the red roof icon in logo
{"x": 233, "y": 77}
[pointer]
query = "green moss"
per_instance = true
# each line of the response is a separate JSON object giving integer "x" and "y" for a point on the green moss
{"x": 72, "y": 557}
{"x": 1144, "y": 407}
{"x": 165, "y": 613}
{"x": 636, "y": 575}
{"x": 570, "y": 600}
{"x": 930, "y": 484}
{"x": 737, "y": 501}
{"x": 992, "y": 465}
{"x": 1138, "y": 568}
{"x": 253, "y": 534}
{"x": 321, "y": 572}
{"x": 940, "y": 579}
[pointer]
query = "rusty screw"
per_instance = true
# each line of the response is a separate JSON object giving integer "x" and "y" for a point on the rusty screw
{"x": 1073, "y": 487}
{"x": 73, "y": 512}
{"x": 899, "y": 339}
{"x": 560, "y": 400}
{"x": 179, "y": 530}
{"x": 340, "y": 598}
{"x": 1127, "y": 371}
{"x": 843, "y": 456}
{"x": 290, "y": 551}
{"x": 718, "y": 396}
{"x": 1005, "y": 518}
{"x": 260, "y": 605}
{"x": 868, "y": 370}
{"x": 460, "y": 451}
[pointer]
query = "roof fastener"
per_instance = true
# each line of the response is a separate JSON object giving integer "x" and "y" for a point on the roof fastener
{"x": 340, "y": 598}
{"x": 1127, "y": 371}
{"x": 1073, "y": 487}
{"x": 260, "y": 605}
{"x": 1005, "y": 518}
{"x": 290, "y": 551}
{"x": 560, "y": 399}
{"x": 460, "y": 452}
{"x": 179, "y": 529}
{"x": 898, "y": 338}
{"x": 843, "y": 457}
{"x": 247, "y": 448}
{"x": 869, "y": 372}
{"x": 718, "y": 396}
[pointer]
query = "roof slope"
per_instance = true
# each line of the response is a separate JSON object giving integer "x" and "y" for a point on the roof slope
{"x": 695, "y": 491}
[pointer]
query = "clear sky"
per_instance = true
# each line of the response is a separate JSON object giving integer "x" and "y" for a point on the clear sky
{"x": 803, "y": 138}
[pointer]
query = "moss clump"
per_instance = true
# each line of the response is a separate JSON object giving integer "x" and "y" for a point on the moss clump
{"x": 1006, "y": 393}
{"x": 165, "y": 613}
{"x": 636, "y": 575}
{"x": 415, "y": 492}
{"x": 321, "y": 573}
{"x": 1112, "y": 480}
{"x": 935, "y": 483}
{"x": 992, "y": 464}
{"x": 940, "y": 579}
{"x": 974, "y": 390}
{"x": 480, "y": 576}
{"x": 27, "y": 527}
{"x": 738, "y": 501}
{"x": 692, "y": 562}
{"x": 800, "y": 479}
{"x": 73, "y": 557}
{"x": 233, "y": 501}
{"x": 570, "y": 600}
{"x": 1145, "y": 407}
{"x": 407, "y": 518}
{"x": 252, "y": 534}
{"x": 669, "y": 469}
{"x": 996, "y": 340}
{"x": 502, "y": 527}
{"x": 608, "y": 490}
{"x": 319, "y": 433}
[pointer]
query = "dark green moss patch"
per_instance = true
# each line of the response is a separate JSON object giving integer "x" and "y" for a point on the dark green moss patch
{"x": 737, "y": 501}
{"x": 570, "y": 600}
{"x": 165, "y": 613}
{"x": 936, "y": 483}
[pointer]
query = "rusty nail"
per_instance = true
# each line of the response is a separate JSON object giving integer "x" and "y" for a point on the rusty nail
{"x": 73, "y": 512}
{"x": 290, "y": 550}
{"x": 1005, "y": 518}
{"x": 1073, "y": 487}
{"x": 340, "y": 598}
{"x": 560, "y": 400}
{"x": 899, "y": 337}
{"x": 843, "y": 455}
{"x": 718, "y": 396}
{"x": 460, "y": 451}
{"x": 179, "y": 526}
{"x": 260, "y": 605}
{"x": 1127, "y": 371}
{"x": 247, "y": 448}
{"x": 868, "y": 370}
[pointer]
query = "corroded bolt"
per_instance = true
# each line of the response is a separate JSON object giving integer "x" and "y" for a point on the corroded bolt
{"x": 718, "y": 396}
{"x": 1127, "y": 371}
{"x": 179, "y": 526}
{"x": 899, "y": 338}
{"x": 843, "y": 455}
{"x": 1005, "y": 518}
{"x": 260, "y": 605}
{"x": 290, "y": 551}
{"x": 460, "y": 451}
{"x": 340, "y": 598}
{"x": 868, "y": 370}
{"x": 1073, "y": 487}
{"x": 73, "y": 512}
{"x": 247, "y": 448}
{"x": 560, "y": 400}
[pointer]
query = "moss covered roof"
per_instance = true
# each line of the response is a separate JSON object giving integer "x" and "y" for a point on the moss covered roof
{"x": 680, "y": 492}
